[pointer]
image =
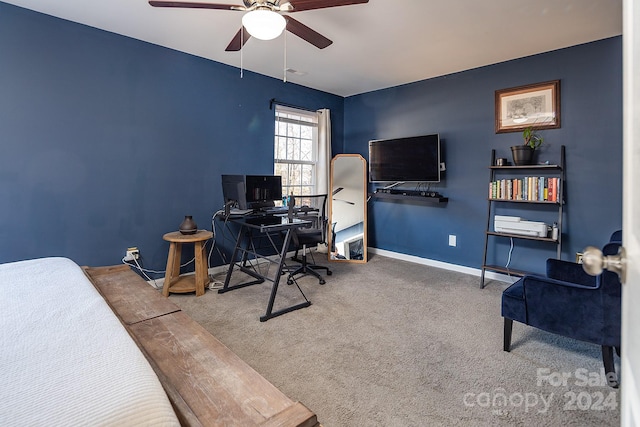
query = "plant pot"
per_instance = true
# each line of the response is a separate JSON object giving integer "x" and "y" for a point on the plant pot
{"x": 522, "y": 155}
{"x": 188, "y": 226}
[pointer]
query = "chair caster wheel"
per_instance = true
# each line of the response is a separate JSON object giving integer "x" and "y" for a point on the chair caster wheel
{"x": 289, "y": 281}
{"x": 329, "y": 273}
{"x": 322, "y": 282}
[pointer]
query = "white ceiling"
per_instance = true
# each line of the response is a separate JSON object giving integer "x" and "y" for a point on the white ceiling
{"x": 380, "y": 44}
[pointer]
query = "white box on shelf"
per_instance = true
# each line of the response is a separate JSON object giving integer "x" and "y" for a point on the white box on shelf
{"x": 507, "y": 218}
{"x": 516, "y": 225}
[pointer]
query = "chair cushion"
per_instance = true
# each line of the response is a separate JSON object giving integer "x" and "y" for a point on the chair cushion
{"x": 513, "y": 305}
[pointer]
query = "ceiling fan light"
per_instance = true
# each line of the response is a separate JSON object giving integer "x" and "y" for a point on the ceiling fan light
{"x": 264, "y": 24}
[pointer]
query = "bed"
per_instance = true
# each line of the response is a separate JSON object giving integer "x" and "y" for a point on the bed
{"x": 99, "y": 346}
{"x": 66, "y": 359}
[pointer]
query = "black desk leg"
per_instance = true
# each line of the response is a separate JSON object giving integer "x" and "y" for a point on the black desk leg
{"x": 242, "y": 234}
{"x": 274, "y": 290}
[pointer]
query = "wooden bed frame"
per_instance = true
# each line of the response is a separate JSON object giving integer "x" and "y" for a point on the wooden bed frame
{"x": 207, "y": 384}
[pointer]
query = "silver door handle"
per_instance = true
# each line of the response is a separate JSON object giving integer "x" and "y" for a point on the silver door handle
{"x": 594, "y": 262}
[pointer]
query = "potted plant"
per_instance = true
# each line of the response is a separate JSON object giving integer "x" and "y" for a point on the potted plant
{"x": 523, "y": 154}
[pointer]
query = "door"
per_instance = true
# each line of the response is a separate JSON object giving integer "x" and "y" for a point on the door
{"x": 630, "y": 396}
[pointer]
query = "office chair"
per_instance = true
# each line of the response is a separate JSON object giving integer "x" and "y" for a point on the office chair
{"x": 311, "y": 208}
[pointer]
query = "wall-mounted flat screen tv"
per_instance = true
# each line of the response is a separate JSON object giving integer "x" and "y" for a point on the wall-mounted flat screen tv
{"x": 411, "y": 159}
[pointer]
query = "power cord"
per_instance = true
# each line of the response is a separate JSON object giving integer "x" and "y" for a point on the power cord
{"x": 509, "y": 257}
{"x": 213, "y": 230}
{"x": 143, "y": 271}
{"x": 225, "y": 236}
{"x": 215, "y": 284}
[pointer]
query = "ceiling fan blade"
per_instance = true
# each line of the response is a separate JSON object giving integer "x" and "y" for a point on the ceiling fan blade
{"x": 300, "y": 5}
{"x": 343, "y": 201}
{"x": 306, "y": 33}
{"x": 191, "y": 5}
{"x": 238, "y": 40}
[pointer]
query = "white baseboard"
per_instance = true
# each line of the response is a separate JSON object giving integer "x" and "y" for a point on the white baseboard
{"x": 444, "y": 265}
{"x": 489, "y": 275}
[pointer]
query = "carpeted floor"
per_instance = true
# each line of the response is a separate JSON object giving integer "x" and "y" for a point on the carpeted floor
{"x": 393, "y": 343}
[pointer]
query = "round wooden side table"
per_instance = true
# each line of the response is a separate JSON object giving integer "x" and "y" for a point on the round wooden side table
{"x": 175, "y": 283}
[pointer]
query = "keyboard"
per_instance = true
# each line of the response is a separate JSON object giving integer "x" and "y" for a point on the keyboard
{"x": 240, "y": 211}
{"x": 264, "y": 220}
{"x": 276, "y": 210}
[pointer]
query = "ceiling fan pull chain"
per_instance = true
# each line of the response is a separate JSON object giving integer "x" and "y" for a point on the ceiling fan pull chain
{"x": 284, "y": 69}
{"x": 241, "y": 54}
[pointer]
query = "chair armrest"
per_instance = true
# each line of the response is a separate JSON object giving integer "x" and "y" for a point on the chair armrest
{"x": 570, "y": 272}
{"x": 535, "y": 280}
{"x": 569, "y": 309}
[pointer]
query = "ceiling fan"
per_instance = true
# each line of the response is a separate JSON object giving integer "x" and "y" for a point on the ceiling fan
{"x": 267, "y": 16}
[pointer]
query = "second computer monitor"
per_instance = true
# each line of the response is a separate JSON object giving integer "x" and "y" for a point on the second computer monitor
{"x": 233, "y": 190}
{"x": 262, "y": 190}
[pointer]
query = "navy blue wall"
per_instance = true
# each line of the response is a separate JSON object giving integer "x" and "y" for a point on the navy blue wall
{"x": 460, "y": 107}
{"x": 107, "y": 142}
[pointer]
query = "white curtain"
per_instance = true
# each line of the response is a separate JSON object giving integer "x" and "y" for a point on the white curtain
{"x": 324, "y": 152}
{"x": 323, "y": 167}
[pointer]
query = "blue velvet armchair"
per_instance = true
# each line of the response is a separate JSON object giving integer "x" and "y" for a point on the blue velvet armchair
{"x": 570, "y": 303}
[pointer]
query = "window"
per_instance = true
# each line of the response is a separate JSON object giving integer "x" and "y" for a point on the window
{"x": 296, "y": 149}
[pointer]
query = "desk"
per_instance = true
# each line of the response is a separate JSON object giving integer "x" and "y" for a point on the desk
{"x": 247, "y": 243}
{"x": 172, "y": 280}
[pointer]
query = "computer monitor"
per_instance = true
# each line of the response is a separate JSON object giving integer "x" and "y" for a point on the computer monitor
{"x": 262, "y": 191}
{"x": 233, "y": 190}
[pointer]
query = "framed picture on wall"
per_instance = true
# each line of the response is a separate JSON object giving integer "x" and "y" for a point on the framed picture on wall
{"x": 536, "y": 105}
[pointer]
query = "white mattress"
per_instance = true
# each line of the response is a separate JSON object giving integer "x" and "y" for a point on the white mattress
{"x": 65, "y": 358}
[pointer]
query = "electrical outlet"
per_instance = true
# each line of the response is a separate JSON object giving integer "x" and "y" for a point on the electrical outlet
{"x": 452, "y": 240}
{"x": 132, "y": 254}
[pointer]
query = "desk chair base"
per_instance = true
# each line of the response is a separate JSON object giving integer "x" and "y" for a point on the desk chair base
{"x": 306, "y": 269}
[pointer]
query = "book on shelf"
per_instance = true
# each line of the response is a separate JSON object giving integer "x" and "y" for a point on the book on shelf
{"x": 528, "y": 188}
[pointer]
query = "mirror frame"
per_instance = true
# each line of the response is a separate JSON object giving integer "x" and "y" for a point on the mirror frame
{"x": 363, "y": 162}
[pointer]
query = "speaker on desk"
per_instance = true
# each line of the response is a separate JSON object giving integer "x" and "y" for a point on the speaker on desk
{"x": 290, "y": 205}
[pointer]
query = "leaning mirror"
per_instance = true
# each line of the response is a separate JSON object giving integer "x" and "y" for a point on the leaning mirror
{"x": 348, "y": 209}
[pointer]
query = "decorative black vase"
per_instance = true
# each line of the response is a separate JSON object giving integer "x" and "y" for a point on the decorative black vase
{"x": 188, "y": 226}
{"x": 522, "y": 155}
